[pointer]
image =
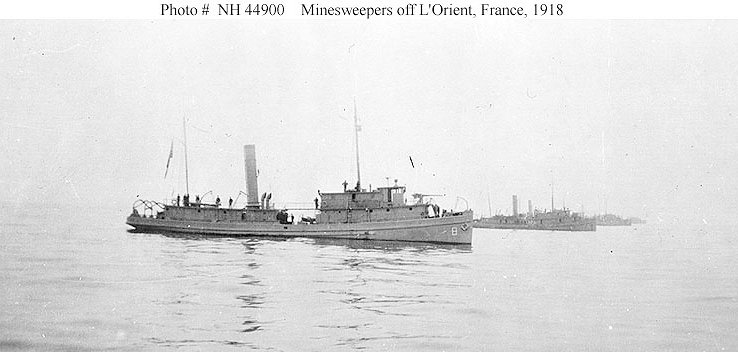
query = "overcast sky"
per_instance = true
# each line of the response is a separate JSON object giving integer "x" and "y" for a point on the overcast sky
{"x": 637, "y": 114}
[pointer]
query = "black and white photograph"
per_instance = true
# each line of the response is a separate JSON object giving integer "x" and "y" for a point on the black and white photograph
{"x": 377, "y": 176}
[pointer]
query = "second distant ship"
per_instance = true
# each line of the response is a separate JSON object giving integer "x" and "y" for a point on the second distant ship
{"x": 553, "y": 220}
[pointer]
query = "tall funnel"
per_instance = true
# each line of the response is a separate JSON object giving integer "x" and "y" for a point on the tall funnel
{"x": 515, "y": 205}
{"x": 530, "y": 208}
{"x": 252, "y": 188}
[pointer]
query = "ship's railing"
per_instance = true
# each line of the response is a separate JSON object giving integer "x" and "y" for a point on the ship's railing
{"x": 147, "y": 206}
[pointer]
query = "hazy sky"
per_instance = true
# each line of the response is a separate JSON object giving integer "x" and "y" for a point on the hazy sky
{"x": 639, "y": 113}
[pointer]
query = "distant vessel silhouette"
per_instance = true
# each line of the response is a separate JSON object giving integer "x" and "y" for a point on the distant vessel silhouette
{"x": 553, "y": 220}
{"x": 612, "y": 220}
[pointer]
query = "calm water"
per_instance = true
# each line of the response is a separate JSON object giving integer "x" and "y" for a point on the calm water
{"x": 77, "y": 282}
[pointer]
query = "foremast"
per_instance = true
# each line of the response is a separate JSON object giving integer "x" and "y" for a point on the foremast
{"x": 187, "y": 173}
{"x": 356, "y": 139}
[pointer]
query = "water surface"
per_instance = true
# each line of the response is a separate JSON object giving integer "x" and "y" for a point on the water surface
{"x": 82, "y": 282}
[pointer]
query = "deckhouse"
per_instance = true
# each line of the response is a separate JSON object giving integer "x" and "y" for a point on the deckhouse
{"x": 381, "y": 204}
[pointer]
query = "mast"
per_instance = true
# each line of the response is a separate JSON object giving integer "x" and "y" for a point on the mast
{"x": 356, "y": 138}
{"x": 604, "y": 173}
{"x": 552, "y": 195}
{"x": 187, "y": 175}
{"x": 489, "y": 204}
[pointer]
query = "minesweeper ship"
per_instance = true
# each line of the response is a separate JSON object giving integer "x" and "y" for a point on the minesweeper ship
{"x": 554, "y": 220}
{"x": 612, "y": 220}
{"x": 379, "y": 214}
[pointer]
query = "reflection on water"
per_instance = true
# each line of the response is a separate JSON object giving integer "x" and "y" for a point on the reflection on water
{"x": 351, "y": 243}
{"x": 91, "y": 285}
{"x": 389, "y": 245}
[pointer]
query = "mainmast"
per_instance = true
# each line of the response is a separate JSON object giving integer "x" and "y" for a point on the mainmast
{"x": 187, "y": 175}
{"x": 356, "y": 136}
{"x": 552, "y": 195}
{"x": 489, "y": 203}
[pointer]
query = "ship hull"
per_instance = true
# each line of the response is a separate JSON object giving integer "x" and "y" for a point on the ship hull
{"x": 622, "y": 223}
{"x": 449, "y": 229}
{"x": 588, "y": 226}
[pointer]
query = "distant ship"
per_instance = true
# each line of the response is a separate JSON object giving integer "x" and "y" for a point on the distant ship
{"x": 612, "y": 220}
{"x": 554, "y": 220}
{"x": 379, "y": 214}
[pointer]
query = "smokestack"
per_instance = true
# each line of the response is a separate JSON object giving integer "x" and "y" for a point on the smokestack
{"x": 515, "y": 205}
{"x": 252, "y": 188}
{"x": 530, "y": 208}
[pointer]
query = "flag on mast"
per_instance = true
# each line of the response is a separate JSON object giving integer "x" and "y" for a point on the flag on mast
{"x": 171, "y": 150}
